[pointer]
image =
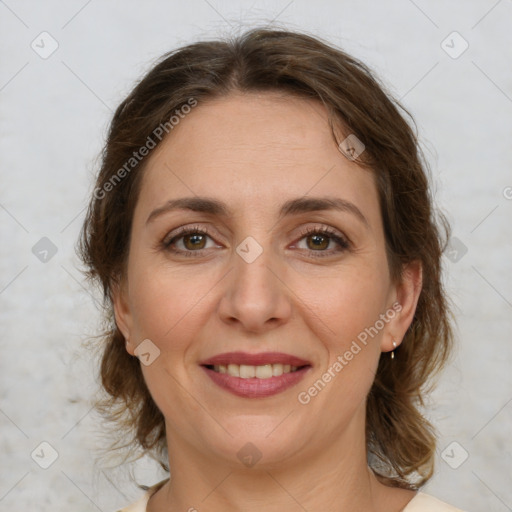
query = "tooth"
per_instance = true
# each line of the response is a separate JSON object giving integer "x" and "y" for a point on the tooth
{"x": 264, "y": 372}
{"x": 247, "y": 372}
{"x": 277, "y": 369}
{"x": 234, "y": 370}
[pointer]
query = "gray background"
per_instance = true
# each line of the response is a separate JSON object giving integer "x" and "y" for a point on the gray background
{"x": 53, "y": 117}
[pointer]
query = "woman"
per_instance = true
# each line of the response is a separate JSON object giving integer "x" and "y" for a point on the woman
{"x": 263, "y": 231}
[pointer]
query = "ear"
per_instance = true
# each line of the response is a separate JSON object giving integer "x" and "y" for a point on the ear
{"x": 405, "y": 299}
{"x": 122, "y": 313}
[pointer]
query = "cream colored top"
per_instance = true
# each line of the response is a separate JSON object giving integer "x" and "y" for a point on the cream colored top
{"x": 420, "y": 503}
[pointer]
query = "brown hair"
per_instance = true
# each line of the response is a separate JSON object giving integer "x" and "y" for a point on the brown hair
{"x": 400, "y": 442}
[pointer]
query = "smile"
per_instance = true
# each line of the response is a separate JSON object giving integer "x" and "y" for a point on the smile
{"x": 245, "y": 371}
{"x": 255, "y": 375}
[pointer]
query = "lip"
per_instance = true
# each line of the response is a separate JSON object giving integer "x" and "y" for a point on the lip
{"x": 254, "y": 387}
{"x": 255, "y": 359}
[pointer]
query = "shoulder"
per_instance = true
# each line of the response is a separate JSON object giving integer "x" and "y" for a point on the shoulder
{"x": 140, "y": 505}
{"x": 425, "y": 503}
{"x": 420, "y": 503}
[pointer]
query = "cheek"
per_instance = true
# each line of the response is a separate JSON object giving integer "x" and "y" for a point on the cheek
{"x": 351, "y": 349}
{"x": 347, "y": 301}
{"x": 347, "y": 320}
{"x": 170, "y": 308}
{"x": 166, "y": 303}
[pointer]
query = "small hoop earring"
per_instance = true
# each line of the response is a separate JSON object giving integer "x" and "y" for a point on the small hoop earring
{"x": 393, "y": 351}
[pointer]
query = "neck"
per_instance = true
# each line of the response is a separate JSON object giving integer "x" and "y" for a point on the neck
{"x": 336, "y": 478}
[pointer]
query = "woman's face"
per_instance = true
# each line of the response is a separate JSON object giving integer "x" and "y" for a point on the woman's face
{"x": 256, "y": 284}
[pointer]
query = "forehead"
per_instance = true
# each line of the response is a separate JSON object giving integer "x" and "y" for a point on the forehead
{"x": 250, "y": 149}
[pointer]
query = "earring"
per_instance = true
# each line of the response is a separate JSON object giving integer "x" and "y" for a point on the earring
{"x": 393, "y": 352}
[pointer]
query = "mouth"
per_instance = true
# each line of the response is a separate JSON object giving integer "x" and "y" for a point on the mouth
{"x": 255, "y": 375}
{"x": 245, "y": 371}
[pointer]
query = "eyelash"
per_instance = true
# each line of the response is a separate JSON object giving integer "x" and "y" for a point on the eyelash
{"x": 343, "y": 243}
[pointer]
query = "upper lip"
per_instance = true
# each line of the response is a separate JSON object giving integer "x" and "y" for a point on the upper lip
{"x": 255, "y": 359}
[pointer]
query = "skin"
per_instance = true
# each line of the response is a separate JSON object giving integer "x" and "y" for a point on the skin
{"x": 254, "y": 152}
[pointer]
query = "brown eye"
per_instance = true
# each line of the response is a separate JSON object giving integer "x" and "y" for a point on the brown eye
{"x": 189, "y": 241}
{"x": 318, "y": 241}
{"x": 194, "y": 241}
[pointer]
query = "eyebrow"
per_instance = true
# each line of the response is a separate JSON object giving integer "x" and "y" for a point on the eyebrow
{"x": 304, "y": 204}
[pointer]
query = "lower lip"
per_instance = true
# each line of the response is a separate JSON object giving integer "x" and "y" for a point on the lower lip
{"x": 254, "y": 387}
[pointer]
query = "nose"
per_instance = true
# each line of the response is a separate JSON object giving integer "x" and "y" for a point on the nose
{"x": 256, "y": 297}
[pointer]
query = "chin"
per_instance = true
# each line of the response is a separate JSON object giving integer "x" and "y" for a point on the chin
{"x": 256, "y": 442}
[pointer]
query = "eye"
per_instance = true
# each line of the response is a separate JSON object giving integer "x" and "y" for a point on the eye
{"x": 191, "y": 241}
{"x": 317, "y": 240}
{"x": 187, "y": 241}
